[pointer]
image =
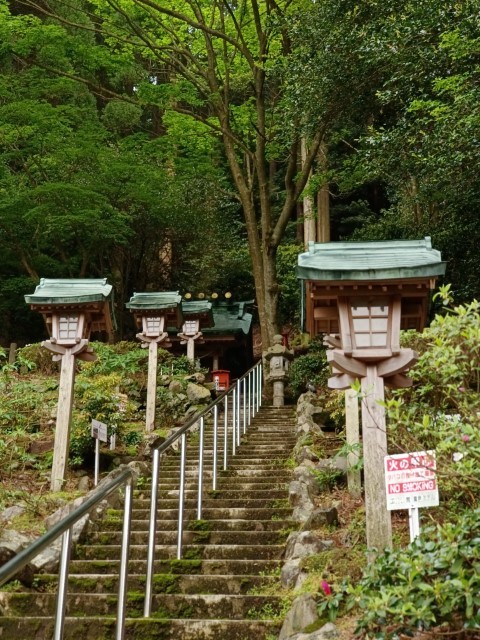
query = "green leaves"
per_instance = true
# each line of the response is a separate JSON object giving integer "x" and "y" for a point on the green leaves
{"x": 432, "y": 584}
{"x": 442, "y": 410}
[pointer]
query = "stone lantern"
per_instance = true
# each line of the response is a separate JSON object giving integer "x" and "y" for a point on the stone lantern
{"x": 72, "y": 309}
{"x": 360, "y": 295}
{"x": 153, "y": 311}
{"x": 277, "y": 357}
{"x": 196, "y": 316}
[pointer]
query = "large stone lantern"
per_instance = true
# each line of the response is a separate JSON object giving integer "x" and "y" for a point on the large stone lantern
{"x": 72, "y": 310}
{"x": 153, "y": 312}
{"x": 277, "y": 357}
{"x": 360, "y": 294}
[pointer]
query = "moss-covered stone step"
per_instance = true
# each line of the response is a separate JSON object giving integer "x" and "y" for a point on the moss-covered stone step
{"x": 254, "y": 460}
{"x": 191, "y": 537}
{"x": 162, "y": 583}
{"x": 193, "y": 551}
{"x": 257, "y": 472}
{"x": 208, "y": 606}
{"x": 218, "y": 513}
{"x": 185, "y": 566}
{"x": 242, "y": 483}
{"x": 237, "y": 494}
{"x": 210, "y": 502}
{"x": 96, "y": 628}
{"x": 114, "y": 524}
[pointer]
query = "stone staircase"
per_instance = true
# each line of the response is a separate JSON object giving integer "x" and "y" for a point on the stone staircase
{"x": 228, "y": 556}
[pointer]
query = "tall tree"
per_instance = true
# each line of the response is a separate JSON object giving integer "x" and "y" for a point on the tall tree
{"x": 220, "y": 64}
{"x": 88, "y": 185}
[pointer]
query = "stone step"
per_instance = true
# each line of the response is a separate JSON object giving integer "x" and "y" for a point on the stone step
{"x": 162, "y": 583}
{"x": 214, "y": 503}
{"x": 235, "y": 548}
{"x": 242, "y": 494}
{"x": 218, "y": 513}
{"x": 114, "y": 524}
{"x": 247, "y": 489}
{"x": 190, "y": 551}
{"x": 98, "y": 628}
{"x": 277, "y": 472}
{"x": 192, "y": 537}
{"x": 253, "y": 459}
{"x": 185, "y": 566}
{"x": 206, "y": 606}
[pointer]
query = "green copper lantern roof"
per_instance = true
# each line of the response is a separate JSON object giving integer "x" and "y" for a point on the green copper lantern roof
{"x": 69, "y": 291}
{"x": 395, "y": 259}
{"x": 230, "y": 318}
{"x": 154, "y": 300}
{"x": 201, "y": 309}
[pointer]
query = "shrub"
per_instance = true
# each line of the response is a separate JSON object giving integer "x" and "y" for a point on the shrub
{"x": 433, "y": 583}
{"x": 311, "y": 367}
{"x": 442, "y": 410}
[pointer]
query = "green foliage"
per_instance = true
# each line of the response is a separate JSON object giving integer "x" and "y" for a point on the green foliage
{"x": 123, "y": 358}
{"x": 434, "y": 584}
{"x": 311, "y": 367}
{"x": 40, "y": 357}
{"x": 442, "y": 410}
{"x": 289, "y": 307}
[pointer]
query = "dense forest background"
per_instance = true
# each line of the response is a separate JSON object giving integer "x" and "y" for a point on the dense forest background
{"x": 180, "y": 145}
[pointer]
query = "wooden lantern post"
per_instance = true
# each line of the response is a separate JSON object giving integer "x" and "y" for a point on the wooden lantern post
{"x": 197, "y": 315}
{"x": 360, "y": 295}
{"x": 72, "y": 309}
{"x": 152, "y": 312}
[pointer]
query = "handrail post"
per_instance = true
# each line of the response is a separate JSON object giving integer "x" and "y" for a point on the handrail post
{"x": 181, "y": 498}
{"x": 215, "y": 445}
{"x": 123, "y": 574}
{"x": 225, "y": 435}
{"x": 244, "y": 406}
{"x": 254, "y": 392}
{"x": 200, "y": 469}
{"x": 249, "y": 396}
{"x": 234, "y": 436}
{"x": 237, "y": 426}
{"x": 152, "y": 533}
{"x": 259, "y": 385}
{"x": 62, "y": 585}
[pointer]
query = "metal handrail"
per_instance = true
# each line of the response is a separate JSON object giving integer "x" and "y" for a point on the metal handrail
{"x": 65, "y": 528}
{"x": 251, "y": 386}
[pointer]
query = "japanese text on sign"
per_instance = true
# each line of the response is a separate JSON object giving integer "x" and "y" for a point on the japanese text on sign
{"x": 410, "y": 480}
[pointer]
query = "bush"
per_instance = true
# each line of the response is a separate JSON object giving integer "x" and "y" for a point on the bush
{"x": 434, "y": 583}
{"x": 442, "y": 410}
{"x": 309, "y": 368}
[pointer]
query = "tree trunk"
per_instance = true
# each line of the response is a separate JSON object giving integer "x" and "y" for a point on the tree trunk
{"x": 323, "y": 200}
{"x": 309, "y": 222}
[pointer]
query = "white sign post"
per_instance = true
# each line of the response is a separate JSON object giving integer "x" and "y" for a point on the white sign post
{"x": 99, "y": 432}
{"x": 411, "y": 483}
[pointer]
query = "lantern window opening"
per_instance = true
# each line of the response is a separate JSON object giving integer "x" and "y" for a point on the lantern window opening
{"x": 153, "y": 325}
{"x": 191, "y": 327}
{"x": 67, "y": 327}
{"x": 371, "y": 321}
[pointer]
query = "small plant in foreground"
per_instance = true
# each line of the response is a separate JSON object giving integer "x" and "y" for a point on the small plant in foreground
{"x": 434, "y": 582}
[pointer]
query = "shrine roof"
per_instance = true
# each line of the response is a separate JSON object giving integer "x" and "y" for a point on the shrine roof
{"x": 198, "y": 309}
{"x": 69, "y": 291}
{"x": 153, "y": 300}
{"x": 386, "y": 260}
{"x": 230, "y": 317}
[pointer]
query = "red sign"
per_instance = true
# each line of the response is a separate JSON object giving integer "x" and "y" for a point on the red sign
{"x": 410, "y": 480}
